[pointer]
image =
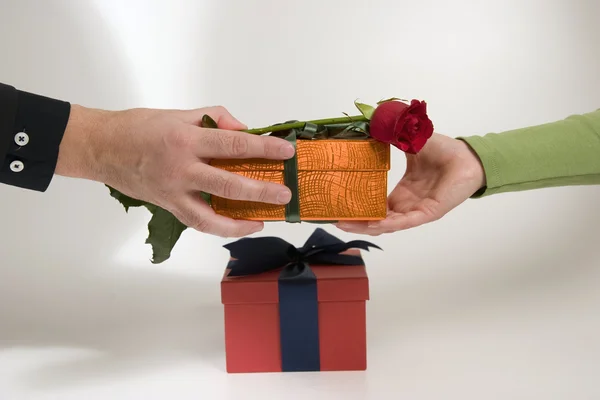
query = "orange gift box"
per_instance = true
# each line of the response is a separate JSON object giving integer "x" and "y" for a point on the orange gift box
{"x": 273, "y": 324}
{"x": 338, "y": 179}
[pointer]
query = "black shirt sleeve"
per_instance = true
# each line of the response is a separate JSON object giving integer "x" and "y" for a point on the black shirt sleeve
{"x": 31, "y": 130}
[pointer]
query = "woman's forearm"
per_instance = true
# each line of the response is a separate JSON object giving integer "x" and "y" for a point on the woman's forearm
{"x": 561, "y": 153}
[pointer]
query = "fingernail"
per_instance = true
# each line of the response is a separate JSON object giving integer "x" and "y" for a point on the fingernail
{"x": 373, "y": 224}
{"x": 287, "y": 151}
{"x": 284, "y": 197}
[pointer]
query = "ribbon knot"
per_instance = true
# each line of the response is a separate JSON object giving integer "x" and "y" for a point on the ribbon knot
{"x": 294, "y": 253}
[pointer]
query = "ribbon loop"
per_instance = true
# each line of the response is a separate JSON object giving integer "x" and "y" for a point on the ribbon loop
{"x": 309, "y": 131}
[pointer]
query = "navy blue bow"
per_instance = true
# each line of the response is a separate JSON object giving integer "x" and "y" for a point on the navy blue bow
{"x": 257, "y": 255}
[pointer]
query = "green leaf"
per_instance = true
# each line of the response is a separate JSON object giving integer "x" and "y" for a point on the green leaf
{"x": 354, "y": 130}
{"x": 391, "y": 99}
{"x": 164, "y": 230}
{"x": 365, "y": 109}
{"x": 126, "y": 201}
{"x": 360, "y": 126}
{"x": 208, "y": 122}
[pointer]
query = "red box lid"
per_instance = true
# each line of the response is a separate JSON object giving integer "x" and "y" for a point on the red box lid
{"x": 334, "y": 283}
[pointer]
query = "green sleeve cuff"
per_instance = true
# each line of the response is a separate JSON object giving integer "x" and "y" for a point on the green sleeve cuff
{"x": 561, "y": 153}
{"x": 486, "y": 155}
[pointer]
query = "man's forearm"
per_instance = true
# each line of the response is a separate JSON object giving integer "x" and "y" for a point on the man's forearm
{"x": 81, "y": 149}
{"x": 561, "y": 153}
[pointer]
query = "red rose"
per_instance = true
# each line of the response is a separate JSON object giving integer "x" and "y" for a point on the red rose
{"x": 405, "y": 126}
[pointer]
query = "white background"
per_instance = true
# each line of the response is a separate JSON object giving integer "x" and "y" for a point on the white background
{"x": 498, "y": 300}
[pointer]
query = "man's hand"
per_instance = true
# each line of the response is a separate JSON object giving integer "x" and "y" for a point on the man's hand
{"x": 162, "y": 157}
{"x": 444, "y": 174}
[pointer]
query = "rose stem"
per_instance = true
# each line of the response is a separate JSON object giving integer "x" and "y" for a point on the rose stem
{"x": 295, "y": 125}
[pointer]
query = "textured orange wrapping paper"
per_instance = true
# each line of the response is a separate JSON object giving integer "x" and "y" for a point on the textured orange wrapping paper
{"x": 338, "y": 179}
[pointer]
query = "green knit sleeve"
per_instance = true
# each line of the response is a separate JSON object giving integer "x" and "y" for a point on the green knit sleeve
{"x": 561, "y": 153}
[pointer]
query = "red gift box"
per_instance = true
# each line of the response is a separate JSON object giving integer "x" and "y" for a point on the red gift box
{"x": 253, "y": 330}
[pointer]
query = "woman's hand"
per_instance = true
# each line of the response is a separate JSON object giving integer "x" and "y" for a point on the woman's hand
{"x": 444, "y": 174}
{"x": 162, "y": 157}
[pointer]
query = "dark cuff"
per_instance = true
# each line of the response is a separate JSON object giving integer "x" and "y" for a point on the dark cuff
{"x": 32, "y": 141}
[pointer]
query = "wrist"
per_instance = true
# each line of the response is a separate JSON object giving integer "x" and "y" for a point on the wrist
{"x": 81, "y": 147}
{"x": 475, "y": 168}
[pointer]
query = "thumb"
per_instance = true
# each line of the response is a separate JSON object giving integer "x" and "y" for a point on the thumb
{"x": 220, "y": 114}
{"x": 229, "y": 122}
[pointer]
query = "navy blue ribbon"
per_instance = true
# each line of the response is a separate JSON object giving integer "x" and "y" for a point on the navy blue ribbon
{"x": 297, "y": 284}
